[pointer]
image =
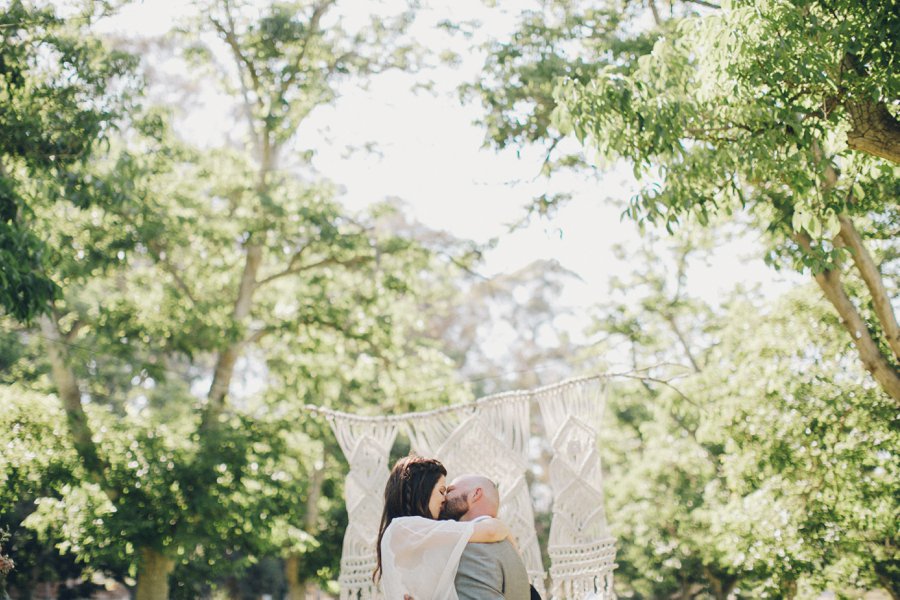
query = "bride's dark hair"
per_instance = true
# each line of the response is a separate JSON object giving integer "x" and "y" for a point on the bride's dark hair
{"x": 407, "y": 493}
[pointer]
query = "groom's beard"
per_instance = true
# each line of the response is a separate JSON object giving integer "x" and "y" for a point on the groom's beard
{"x": 454, "y": 509}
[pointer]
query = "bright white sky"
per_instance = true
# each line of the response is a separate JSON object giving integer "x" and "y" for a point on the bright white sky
{"x": 430, "y": 154}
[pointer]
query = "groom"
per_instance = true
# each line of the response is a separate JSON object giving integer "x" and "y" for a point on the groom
{"x": 486, "y": 571}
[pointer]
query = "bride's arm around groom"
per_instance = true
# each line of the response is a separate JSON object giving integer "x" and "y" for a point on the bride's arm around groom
{"x": 418, "y": 555}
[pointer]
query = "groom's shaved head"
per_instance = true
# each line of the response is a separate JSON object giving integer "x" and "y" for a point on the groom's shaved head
{"x": 471, "y": 482}
{"x": 470, "y": 496}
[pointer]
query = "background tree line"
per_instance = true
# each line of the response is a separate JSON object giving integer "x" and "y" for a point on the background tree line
{"x": 170, "y": 309}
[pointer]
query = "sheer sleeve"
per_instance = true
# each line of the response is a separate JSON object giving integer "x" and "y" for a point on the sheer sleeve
{"x": 420, "y": 557}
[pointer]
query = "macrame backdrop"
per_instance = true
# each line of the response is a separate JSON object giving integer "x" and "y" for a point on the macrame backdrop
{"x": 367, "y": 446}
{"x": 582, "y": 553}
{"x": 491, "y": 437}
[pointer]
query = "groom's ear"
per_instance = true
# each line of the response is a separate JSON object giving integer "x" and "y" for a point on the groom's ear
{"x": 477, "y": 494}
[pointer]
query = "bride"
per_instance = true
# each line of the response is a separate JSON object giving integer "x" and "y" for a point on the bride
{"x": 418, "y": 556}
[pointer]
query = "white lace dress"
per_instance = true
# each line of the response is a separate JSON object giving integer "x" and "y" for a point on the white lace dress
{"x": 420, "y": 557}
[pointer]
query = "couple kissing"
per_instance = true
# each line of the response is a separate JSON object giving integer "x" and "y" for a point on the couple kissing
{"x": 440, "y": 541}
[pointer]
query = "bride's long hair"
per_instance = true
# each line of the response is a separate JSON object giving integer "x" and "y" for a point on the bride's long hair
{"x": 407, "y": 493}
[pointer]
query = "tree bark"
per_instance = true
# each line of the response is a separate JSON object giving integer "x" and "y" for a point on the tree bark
{"x": 872, "y": 276}
{"x": 224, "y": 370}
{"x": 153, "y": 576}
{"x": 873, "y": 361}
{"x": 875, "y": 131}
{"x": 296, "y": 590}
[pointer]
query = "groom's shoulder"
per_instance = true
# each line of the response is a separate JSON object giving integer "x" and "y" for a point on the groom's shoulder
{"x": 489, "y": 548}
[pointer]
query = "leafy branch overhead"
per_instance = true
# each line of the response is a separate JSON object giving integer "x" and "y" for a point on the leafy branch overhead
{"x": 174, "y": 267}
{"x": 784, "y": 111}
{"x": 63, "y": 95}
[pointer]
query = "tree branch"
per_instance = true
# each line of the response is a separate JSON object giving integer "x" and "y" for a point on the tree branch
{"x": 871, "y": 275}
{"x": 243, "y": 65}
{"x": 332, "y": 66}
{"x": 687, "y": 349}
{"x": 257, "y": 335}
{"x": 230, "y": 34}
{"x": 77, "y": 326}
{"x": 325, "y": 262}
{"x": 548, "y": 154}
{"x": 873, "y": 361}
{"x": 158, "y": 253}
{"x": 704, "y": 3}
{"x": 314, "y": 20}
{"x": 655, "y": 11}
{"x": 669, "y": 317}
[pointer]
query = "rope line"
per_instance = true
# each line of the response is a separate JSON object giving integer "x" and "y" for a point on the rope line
{"x": 487, "y": 401}
{"x": 493, "y": 399}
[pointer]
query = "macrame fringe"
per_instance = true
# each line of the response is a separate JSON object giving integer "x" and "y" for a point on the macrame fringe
{"x": 367, "y": 446}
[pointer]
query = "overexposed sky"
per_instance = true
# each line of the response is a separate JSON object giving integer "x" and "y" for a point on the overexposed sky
{"x": 429, "y": 153}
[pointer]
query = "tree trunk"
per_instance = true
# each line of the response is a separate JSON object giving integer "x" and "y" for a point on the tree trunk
{"x": 875, "y": 130}
{"x": 887, "y": 580}
{"x": 224, "y": 370}
{"x": 719, "y": 586}
{"x": 153, "y": 575}
{"x": 684, "y": 593}
{"x": 70, "y": 396}
{"x": 312, "y": 507}
{"x": 296, "y": 590}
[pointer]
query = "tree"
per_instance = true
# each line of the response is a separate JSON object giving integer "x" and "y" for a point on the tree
{"x": 807, "y": 469}
{"x": 658, "y": 467}
{"x": 185, "y": 260}
{"x": 775, "y": 108}
{"x": 62, "y": 93}
{"x": 6, "y": 565}
{"x": 37, "y": 465}
{"x": 734, "y": 479}
{"x": 504, "y": 332}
